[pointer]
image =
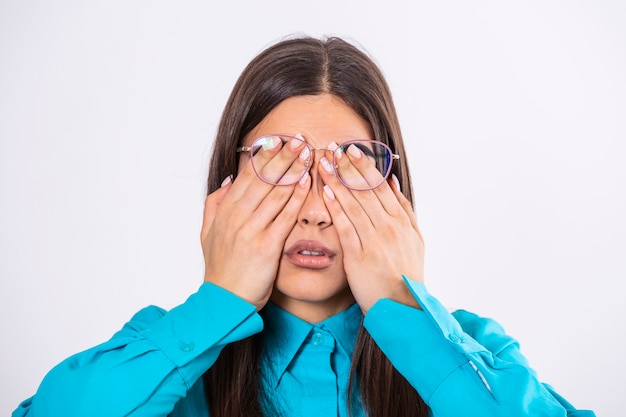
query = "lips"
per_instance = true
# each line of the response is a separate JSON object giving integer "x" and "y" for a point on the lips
{"x": 310, "y": 254}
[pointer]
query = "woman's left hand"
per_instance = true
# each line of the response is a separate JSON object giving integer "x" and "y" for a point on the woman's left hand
{"x": 378, "y": 233}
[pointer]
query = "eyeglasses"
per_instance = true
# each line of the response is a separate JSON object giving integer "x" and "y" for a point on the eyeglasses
{"x": 378, "y": 153}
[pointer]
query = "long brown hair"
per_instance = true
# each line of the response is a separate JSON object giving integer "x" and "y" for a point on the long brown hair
{"x": 296, "y": 67}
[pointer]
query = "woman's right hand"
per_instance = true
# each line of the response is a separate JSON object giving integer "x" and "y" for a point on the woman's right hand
{"x": 246, "y": 223}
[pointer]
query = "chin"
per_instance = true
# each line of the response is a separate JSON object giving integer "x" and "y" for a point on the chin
{"x": 313, "y": 288}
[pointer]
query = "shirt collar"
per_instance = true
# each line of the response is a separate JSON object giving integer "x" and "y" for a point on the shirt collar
{"x": 285, "y": 333}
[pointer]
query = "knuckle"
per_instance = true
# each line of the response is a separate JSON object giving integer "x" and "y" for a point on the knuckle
{"x": 390, "y": 230}
{"x": 280, "y": 193}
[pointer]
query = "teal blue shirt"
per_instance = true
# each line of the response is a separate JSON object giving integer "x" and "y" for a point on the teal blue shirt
{"x": 461, "y": 364}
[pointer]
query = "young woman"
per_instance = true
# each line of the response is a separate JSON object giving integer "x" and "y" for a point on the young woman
{"x": 313, "y": 302}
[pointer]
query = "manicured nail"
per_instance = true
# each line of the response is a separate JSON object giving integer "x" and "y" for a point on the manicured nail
{"x": 295, "y": 144}
{"x": 304, "y": 179}
{"x": 298, "y": 136}
{"x": 396, "y": 183}
{"x": 226, "y": 181}
{"x": 354, "y": 151}
{"x": 305, "y": 154}
{"x": 336, "y": 150}
{"x": 326, "y": 165}
{"x": 329, "y": 193}
{"x": 270, "y": 142}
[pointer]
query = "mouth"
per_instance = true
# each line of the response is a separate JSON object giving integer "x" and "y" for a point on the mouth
{"x": 310, "y": 254}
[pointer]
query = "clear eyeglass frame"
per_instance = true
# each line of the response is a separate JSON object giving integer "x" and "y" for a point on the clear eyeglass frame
{"x": 379, "y": 152}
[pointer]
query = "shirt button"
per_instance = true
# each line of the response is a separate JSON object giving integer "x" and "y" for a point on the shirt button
{"x": 317, "y": 338}
{"x": 454, "y": 338}
{"x": 186, "y": 346}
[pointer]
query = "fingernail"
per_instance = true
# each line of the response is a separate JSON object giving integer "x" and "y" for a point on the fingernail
{"x": 304, "y": 179}
{"x": 270, "y": 142}
{"x": 295, "y": 144}
{"x": 226, "y": 181}
{"x": 354, "y": 151}
{"x": 396, "y": 182}
{"x": 304, "y": 155}
{"x": 329, "y": 193}
{"x": 299, "y": 136}
{"x": 336, "y": 150}
{"x": 338, "y": 154}
{"x": 326, "y": 165}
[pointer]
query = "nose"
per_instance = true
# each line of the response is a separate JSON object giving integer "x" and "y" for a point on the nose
{"x": 314, "y": 212}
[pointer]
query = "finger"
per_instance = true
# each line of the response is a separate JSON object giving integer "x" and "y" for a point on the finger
{"x": 353, "y": 208}
{"x": 362, "y": 207}
{"x": 280, "y": 198}
{"x": 406, "y": 205}
{"x": 355, "y": 163}
{"x": 274, "y": 162}
{"x": 211, "y": 204}
{"x": 349, "y": 238}
{"x": 247, "y": 177}
{"x": 288, "y": 216}
{"x": 277, "y": 169}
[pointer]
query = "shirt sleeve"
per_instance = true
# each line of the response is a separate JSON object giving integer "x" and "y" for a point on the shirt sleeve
{"x": 149, "y": 365}
{"x": 460, "y": 364}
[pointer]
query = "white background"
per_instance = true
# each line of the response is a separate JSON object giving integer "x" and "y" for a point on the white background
{"x": 513, "y": 114}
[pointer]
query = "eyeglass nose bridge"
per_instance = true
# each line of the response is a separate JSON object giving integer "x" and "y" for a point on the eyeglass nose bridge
{"x": 309, "y": 163}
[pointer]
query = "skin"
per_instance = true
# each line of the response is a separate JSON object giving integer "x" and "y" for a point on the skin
{"x": 248, "y": 224}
